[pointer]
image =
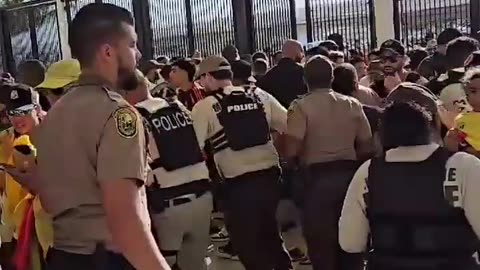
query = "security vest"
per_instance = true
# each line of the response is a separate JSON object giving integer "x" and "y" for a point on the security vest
{"x": 413, "y": 226}
{"x": 173, "y": 134}
{"x": 242, "y": 117}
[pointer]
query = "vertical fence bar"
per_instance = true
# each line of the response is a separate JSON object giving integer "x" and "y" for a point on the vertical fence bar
{"x": 373, "y": 24}
{"x": 475, "y": 16}
{"x": 190, "y": 34}
{"x": 293, "y": 19}
{"x": 308, "y": 20}
{"x": 396, "y": 18}
{"x": 8, "y": 59}
{"x": 143, "y": 27}
{"x": 33, "y": 33}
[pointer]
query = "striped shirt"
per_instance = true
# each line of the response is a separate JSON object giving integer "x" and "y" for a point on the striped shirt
{"x": 188, "y": 98}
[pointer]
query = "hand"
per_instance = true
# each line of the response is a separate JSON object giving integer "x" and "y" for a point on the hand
{"x": 452, "y": 140}
{"x": 6, "y": 142}
{"x": 28, "y": 179}
{"x": 391, "y": 82}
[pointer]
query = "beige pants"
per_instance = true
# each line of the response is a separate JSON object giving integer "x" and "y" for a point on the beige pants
{"x": 183, "y": 233}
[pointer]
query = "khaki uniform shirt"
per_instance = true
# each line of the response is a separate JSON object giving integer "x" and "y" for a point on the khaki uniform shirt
{"x": 177, "y": 177}
{"x": 329, "y": 124}
{"x": 367, "y": 96}
{"x": 235, "y": 163}
{"x": 90, "y": 136}
{"x": 463, "y": 172}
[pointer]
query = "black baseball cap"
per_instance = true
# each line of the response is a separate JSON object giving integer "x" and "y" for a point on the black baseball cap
{"x": 19, "y": 99}
{"x": 242, "y": 70}
{"x": 329, "y": 45}
{"x": 448, "y": 35}
{"x": 394, "y": 45}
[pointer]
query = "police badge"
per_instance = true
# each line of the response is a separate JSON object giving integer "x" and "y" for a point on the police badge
{"x": 126, "y": 121}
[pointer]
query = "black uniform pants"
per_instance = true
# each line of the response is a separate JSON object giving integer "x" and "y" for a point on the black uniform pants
{"x": 100, "y": 260}
{"x": 250, "y": 206}
{"x": 324, "y": 195}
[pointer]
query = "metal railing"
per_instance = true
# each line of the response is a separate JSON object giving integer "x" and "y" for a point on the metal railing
{"x": 353, "y": 19}
{"x": 30, "y": 31}
{"x": 418, "y": 21}
{"x": 179, "y": 27}
{"x": 273, "y": 23}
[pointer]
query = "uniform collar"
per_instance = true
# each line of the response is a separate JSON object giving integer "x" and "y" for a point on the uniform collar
{"x": 229, "y": 89}
{"x": 91, "y": 79}
{"x": 321, "y": 90}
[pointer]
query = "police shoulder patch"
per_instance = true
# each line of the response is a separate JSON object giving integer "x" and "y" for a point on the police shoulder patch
{"x": 126, "y": 122}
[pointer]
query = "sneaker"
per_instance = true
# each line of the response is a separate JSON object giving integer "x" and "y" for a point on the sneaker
{"x": 221, "y": 236}
{"x": 226, "y": 252}
{"x": 296, "y": 254}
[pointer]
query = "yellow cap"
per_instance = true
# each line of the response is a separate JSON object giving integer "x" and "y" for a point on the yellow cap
{"x": 61, "y": 74}
{"x": 468, "y": 123}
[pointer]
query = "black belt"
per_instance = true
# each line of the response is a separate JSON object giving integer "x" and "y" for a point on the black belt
{"x": 180, "y": 201}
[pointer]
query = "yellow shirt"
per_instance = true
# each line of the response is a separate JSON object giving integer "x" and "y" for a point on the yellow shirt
{"x": 469, "y": 124}
{"x": 15, "y": 206}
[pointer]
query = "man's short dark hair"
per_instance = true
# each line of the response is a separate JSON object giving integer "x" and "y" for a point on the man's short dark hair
{"x": 459, "y": 49}
{"x": 31, "y": 72}
{"x": 165, "y": 72}
{"x": 318, "y": 72}
{"x": 94, "y": 25}
{"x": 186, "y": 66}
{"x": 345, "y": 79}
{"x": 405, "y": 124}
{"x": 448, "y": 35}
{"x": 317, "y": 50}
{"x": 259, "y": 55}
{"x": 260, "y": 66}
{"x": 222, "y": 75}
{"x": 357, "y": 59}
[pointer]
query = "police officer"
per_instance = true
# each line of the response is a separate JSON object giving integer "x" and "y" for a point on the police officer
{"x": 179, "y": 190}
{"x": 237, "y": 122}
{"x": 416, "y": 204}
{"x": 327, "y": 134}
{"x": 92, "y": 163}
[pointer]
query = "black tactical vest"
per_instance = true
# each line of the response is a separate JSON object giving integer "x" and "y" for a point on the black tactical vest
{"x": 175, "y": 137}
{"x": 413, "y": 226}
{"x": 242, "y": 116}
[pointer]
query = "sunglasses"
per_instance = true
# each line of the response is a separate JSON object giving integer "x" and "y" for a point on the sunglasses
{"x": 17, "y": 113}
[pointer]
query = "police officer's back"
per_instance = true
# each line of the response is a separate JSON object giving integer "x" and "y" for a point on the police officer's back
{"x": 178, "y": 187}
{"x": 92, "y": 162}
{"x": 327, "y": 134}
{"x": 237, "y": 121}
{"x": 417, "y": 201}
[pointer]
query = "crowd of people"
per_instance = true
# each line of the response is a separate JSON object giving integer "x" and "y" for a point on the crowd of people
{"x": 113, "y": 162}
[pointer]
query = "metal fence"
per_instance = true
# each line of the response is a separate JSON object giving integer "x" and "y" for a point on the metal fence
{"x": 180, "y": 27}
{"x": 353, "y": 19}
{"x": 273, "y": 22}
{"x": 30, "y": 31}
{"x": 417, "y": 21}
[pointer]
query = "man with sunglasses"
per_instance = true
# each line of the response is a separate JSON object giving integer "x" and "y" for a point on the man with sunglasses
{"x": 394, "y": 59}
{"x": 23, "y": 111}
{"x": 59, "y": 77}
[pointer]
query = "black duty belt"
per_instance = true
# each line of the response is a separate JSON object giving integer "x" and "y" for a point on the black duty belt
{"x": 182, "y": 200}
